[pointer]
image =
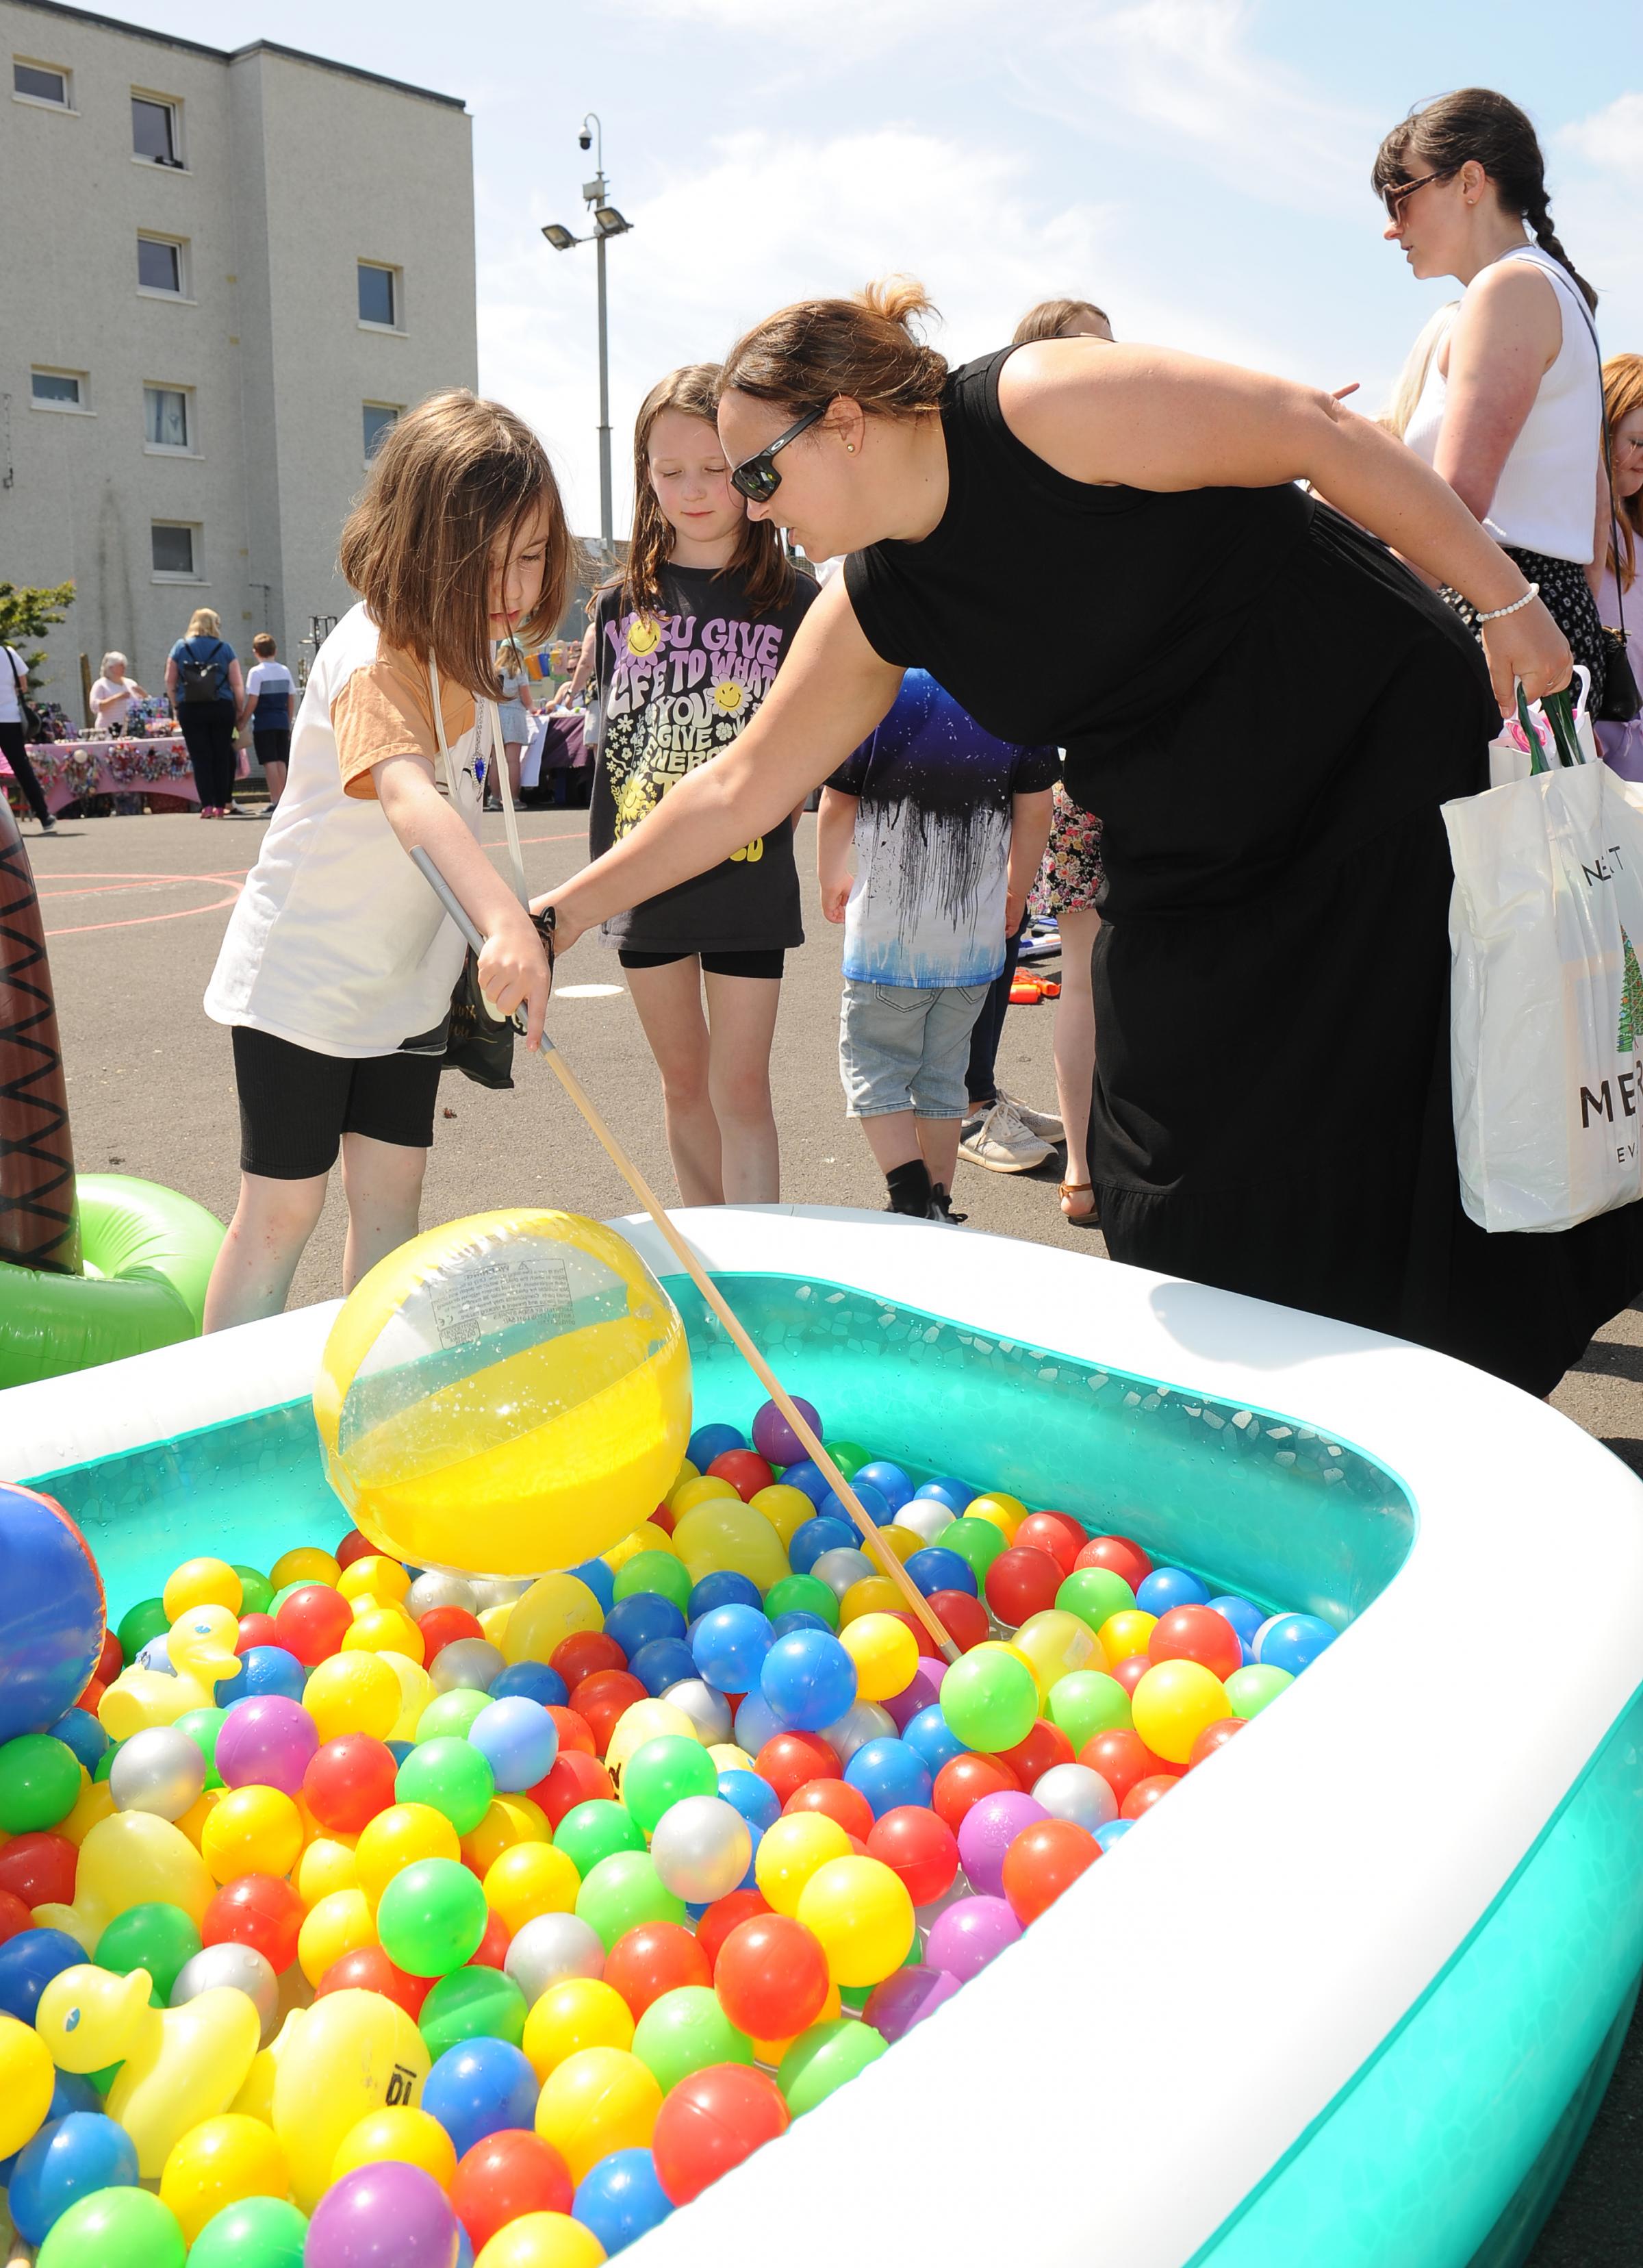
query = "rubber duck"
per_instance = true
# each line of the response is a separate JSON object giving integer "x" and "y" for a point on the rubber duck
{"x": 200, "y": 1645}
{"x": 130, "y": 1859}
{"x": 177, "y": 2065}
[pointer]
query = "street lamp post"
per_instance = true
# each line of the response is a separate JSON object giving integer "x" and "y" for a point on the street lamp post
{"x": 607, "y": 222}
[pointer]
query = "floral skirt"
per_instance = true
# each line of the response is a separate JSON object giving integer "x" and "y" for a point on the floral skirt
{"x": 1072, "y": 873}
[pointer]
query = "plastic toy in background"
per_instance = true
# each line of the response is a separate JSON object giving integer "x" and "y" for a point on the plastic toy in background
{"x": 506, "y": 1394}
{"x": 130, "y": 1860}
{"x": 200, "y": 1648}
{"x": 51, "y": 1610}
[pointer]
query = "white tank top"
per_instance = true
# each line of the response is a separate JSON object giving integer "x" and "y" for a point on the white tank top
{"x": 1547, "y": 495}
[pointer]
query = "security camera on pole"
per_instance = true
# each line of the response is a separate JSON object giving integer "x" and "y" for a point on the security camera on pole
{"x": 607, "y": 222}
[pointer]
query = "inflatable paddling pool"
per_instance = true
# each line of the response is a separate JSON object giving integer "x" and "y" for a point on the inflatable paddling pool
{"x": 1353, "y": 1994}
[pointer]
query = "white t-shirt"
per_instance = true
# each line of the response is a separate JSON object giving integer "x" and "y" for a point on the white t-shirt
{"x": 267, "y": 677}
{"x": 337, "y": 943}
{"x": 9, "y": 712}
{"x": 111, "y": 720}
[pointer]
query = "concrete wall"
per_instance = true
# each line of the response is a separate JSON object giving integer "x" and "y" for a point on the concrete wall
{"x": 295, "y": 170}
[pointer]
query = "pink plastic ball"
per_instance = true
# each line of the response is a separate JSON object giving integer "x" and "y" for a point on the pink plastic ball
{"x": 985, "y": 1834}
{"x": 968, "y": 1934}
{"x": 266, "y": 1742}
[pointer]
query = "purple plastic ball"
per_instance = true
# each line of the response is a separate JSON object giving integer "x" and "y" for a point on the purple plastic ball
{"x": 775, "y": 1440}
{"x": 987, "y": 1831}
{"x": 905, "y": 1998}
{"x": 385, "y": 2215}
{"x": 267, "y": 1741}
{"x": 969, "y": 1933}
{"x": 926, "y": 1687}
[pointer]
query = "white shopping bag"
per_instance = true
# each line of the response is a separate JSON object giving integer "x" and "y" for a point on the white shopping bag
{"x": 1546, "y": 1014}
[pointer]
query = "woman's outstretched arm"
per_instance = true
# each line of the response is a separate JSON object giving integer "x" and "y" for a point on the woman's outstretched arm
{"x": 833, "y": 690}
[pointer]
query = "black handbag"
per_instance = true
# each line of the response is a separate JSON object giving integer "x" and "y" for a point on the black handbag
{"x": 1621, "y": 701}
{"x": 476, "y": 1042}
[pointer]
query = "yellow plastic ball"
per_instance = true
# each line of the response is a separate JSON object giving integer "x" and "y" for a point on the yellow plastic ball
{"x": 26, "y": 2079}
{"x": 1124, "y": 1634}
{"x": 1004, "y": 1513}
{"x": 400, "y": 2135}
{"x": 729, "y": 1757}
{"x": 542, "y": 2240}
{"x": 504, "y": 1394}
{"x": 416, "y": 1691}
{"x": 686, "y": 1471}
{"x": 577, "y": 2013}
{"x": 251, "y": 1830}
{"x": 785, "y": 1508}
{"x": 884, "y": 1651}
{"x": 383, "y": 1629}
{"x": 687, "y": 1495}
{"x": 1173, "y": 1703}
{"x": 202, "y": 1583}
{"x": 1056, "y": 1643}
{"x": 375, "y": 1577}
{"x": 397, "y": 1839}
{"x": 860, "y": 1911}
{"x": 903, "y": 1542}
{"x": 192, "y": 1821}
{"x": 94, "y": 1803}
{"x": 770, "y": 2052}
{"x": 600, "y": 2100}
{"x": 874, "y": 1594}
{"x": 340, "y": 1924}
{"x": 493, "y": 1621}
{"x": 646, "y": 1720}
{"x": 646, "y": 1537}
{"x": 353, "y": 1692}
{"x": 554, "y": 1608}
{"x": 725, "y": 1533}
{"x": 511, "y": 1819}
{"x": 307, "y": 1564}
{"x": 326, "y": 1865}
{"x": 528, "y": 1880}
{"x": 218, "y": 2162}
{"x": 795, "y": 1848}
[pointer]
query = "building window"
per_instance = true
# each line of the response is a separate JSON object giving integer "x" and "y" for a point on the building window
{"x": 378, "y": 416}
{"x": 42, "y": 83}
{"x": 175, "y": 550}
{"x": 159, "y": 265}
{"x": 379, "y": 296}
{"x": 156, "y": 129}
{"x": 167, "y": 424}
{"x": 57, "y": 389}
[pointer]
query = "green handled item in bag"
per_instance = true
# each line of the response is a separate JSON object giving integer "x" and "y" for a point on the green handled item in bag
{"x": 1557, "y": 709}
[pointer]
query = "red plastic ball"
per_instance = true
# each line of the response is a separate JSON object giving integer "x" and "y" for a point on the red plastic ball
{"x": 1146, "y": 1792}
{"x": 39, "y": 1868}
{"x": 110, "y": 1662}
{"x": 962, "y": 1615}
{"x": 1070, "y": 1522}
{"x": 491, "y": 1949}
{"x": 917, "y": 1844}
{"x": 1196, "y": 1634}
{"x": 835, "y": 1800}
{"x": 1130, "y": 1672}
{"x": 576, "y": 1777}
{"x": 1213, "y": 1737}
{"x": 745, "y": 1471}
{"x": 654, "y": 1958}
{"x": 355, "y": 1546}
{"x": 771, "y": 1977}
{"x": 963, "y": 1780}
{"x": 348, "y": 1781}
{"x": 91, "y": 1699}
{"x": 709, "y": 2123}
{"x": 604, "y": 1699}
{"x": 663, "y": 1518}
{"x": 15, "y": 1916}
{"x": 442, "y": 1626}
{"x": 574, "y": 1731}
{"x": 1047, "y": 1531}
{"x": 369, "y": 1970}
{"x": 789, "y": 1759}
{"x": 312, "y": 1623}
{"x": 256, "y": 1629}
{"x": 260, "y": 1910}
{"x": 1122, "y": 1758}
{"x": 510, "y": 2173}
{"x": 1118, "y": 1553}
{"x": 724, "y": 1915}
{"x": 1042, "y": 1861}
{"x": 1043, "y": 1748}
{"x": 1021, "y": 1582}
{"x": 582, "y": 1654}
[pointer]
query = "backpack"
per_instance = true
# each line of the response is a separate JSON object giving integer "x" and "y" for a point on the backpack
{"x": 199, "y": 681}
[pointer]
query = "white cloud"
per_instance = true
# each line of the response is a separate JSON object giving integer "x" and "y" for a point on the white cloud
{"x": 1611, "y": 139}
{"x": 1594, "y": 212}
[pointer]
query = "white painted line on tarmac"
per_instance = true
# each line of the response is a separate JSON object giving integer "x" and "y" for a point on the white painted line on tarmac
{"x": 587, "y": 991}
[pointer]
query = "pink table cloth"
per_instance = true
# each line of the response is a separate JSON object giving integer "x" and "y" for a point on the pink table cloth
{"x": 69, "y": 769}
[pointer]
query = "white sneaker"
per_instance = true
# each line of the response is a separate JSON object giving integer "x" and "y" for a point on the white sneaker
{"x": 1046, "y": 1125}
{"x": 1003, "y": 1143}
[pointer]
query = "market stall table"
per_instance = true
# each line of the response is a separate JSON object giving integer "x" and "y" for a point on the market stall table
{"x": 70, "y": 769}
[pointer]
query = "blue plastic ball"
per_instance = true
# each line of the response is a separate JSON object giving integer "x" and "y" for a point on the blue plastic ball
{"x": 753, "y": 1797}
{"x": 756, "y": 1722}
{"x": 66, "y": 2161}
{"x": 889, "y": 1772}
{"x": 891, "y": 1482}
{"x": 812, "y": 1537}
{"x": 1170, "y": 1586}
{"x": 600, "y": 1580}
{"x": 937, "y": 1569}
{"x": 517, "y": 1739}
{"x": 80, "y": 1731}
{"x": 808, "y": 1476}
{"x": 1114, "y": 1831}
{"x": 954, "y": 1494}
{"x": 808, "y": 1680}
{"x": 796, "y": 1618}
{"x": 641, "y": 1617}
{"x": 665, "y": 1662}
{"x": 729, "y": 1645}
{"x": 1244, "y": 1616}
{"x": 477, "y": 2088}
{"x": 931, "y": 1738}
{"x": 1294, "y": 1642}
{"x": 399, "y": 1749}
{"x": 51, "y": 1612}
{"x": 876, "y": 1507}
{"x": 710, "y": 1442}
{"x": 620, "y": 2199}
{"x": 725, "y": 1587}
{"x": 263, "y": 1669}
{"x": 28, "y": 1962}
{"x": 535, "y": 1681}
{"x": 68, "y": 2092}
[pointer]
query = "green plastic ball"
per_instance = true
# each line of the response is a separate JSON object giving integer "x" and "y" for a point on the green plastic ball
{"x": 157, "y": 1938}
{"x": 202, "y": 1726}
{"x": 127, "y": 2225}
{"x": 1086, "y": 1702}
{"x": 622, "y": 1892}
{"x": 686, "y": 2030}
{"x": 277, "y": 1599}
{"x": 259, "y": 2232}
{"x": 1095, "y": 1594}
{"x": 139, "y": 1624}
{"x": 655, "y": 1571}
{"x": 1249, "y": 1690}
{"x": 977, "y": 1541}
{"x": 105, "y": 1764}
{"x": 449, "y": 1776}
{"x": 255, "y": 1589}
{"x": 663, "y": 1772}
{"x": 802, "y": 1594}
{"x": 850, "y": 1456}
{"x": 39, "y": 1779}
{"x": 821, "y": 2059}
{"x": 989, "y": 1699}
{"x": 450, "y": 1716}
{"x": 432, "y": 1917}
{"x": 597, "y": 1829}
{"x": 472, "y": 2004}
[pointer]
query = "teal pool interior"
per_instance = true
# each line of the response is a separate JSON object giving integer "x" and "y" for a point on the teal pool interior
{"x": 1256, "y": 1501}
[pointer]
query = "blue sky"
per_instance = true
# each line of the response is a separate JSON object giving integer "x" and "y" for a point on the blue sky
{"x": 1199, "y": 167}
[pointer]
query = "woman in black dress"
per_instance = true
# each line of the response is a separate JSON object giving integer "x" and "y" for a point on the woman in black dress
{"x": 1266, "y": 708}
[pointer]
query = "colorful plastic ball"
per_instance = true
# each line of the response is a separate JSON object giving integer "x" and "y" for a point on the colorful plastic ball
{"x": 217, "y": 2163}
{"x": 795, "y": 1849}
{"x": 267, "y": 1741}
{"x": 771, "y": 1977}
{"x": 551, "y": 1946}
{"x": 1095, "y": 1594}
{"x": 39, "y": 1778}
{"x": 934, "y": 1569}
{"x": 259, "y": 1911}
{"x": 242, "y": 1968}
{"x": 1174, "y": 1702}
{"x": 638, "y": 1619}
{"x": 835, "y": 1799}
{"x": 509, "y": 2174}
{"x": 340, "y": 1923}
{"x": 860, "y": 1911}
{"x": 1074, "y": 1791}
{"x": 885, "y": 1654}
{"x": 449, "y": 1776}
{"x": 535, "y": 1681}
{"x": 976, "y": 1541}
{"x": 710, "y": 1442}
{"x": 444, "y": 1626}
{"x": 432, "y": 1917}
{"x": 348, "y": 1781}
{"x": 807, "y": 1679}
{"x": 1245, "y": 1616}
{"x": 1130, "y": 1672}
{"x": 889, "y": 1773}
{"x": 595, "y": 1830}
{"x": 805, "y": 1595}
{"x": 878, "y": 1508}
{"x": 258, "y": 2232}
{"x": 657, "y": 1958}
{"x": 808, "y": 1477}
{"x": 1212, "y": 1738}
{"x": 147, "y": 1619}
{"x": 622, "y": 1891}
{"x": 700, "y": 1846}
{"x": 724, "y": 1532}
{"x": 599, "y": 2099}
{"x": 577, "y": 1776}
{"x": 661, "y": 1577}
{"x": 447, "y": 1714}
{"x": 474, "y": 2003}
{"x": 1021, "y": 1582}
{"x": 752, "y": 1796}
{"x": 38, "y": 1868}
{"x": 745, "y": 1469}
{"x": 705, "y": 1706}
{"x": 595, "y": 1576}
{"x": 1146, "y": 1792}
{"x": 483, "y": 2087}
{"x": 961, "y": 1615}
{"x": 542, "y": 2240}
{"x": 925, "y": 1517}
{"x": 1194, "y": 1634}
{"x": 1123, "y": 1759}
{"x": 620, "y": 2199}
{"x": 154, "y": 1936}
{"x": 467, "y": 1665}
{"x": 312, "y": 1622}
{"x": 663, "y": 1772}
{"x": 1045, "y": 1746}
{"x": 729, "y": 1644}
{"x": 988, "y": 1829}
{"x": 263, "y": 1669}
{"x": 79, "y": 1730}
{"x": 907, "y": 1996}
{"x": 1085, "y": 1703}
{"x": 124, "y": 2225}
{"x": 1123, "y": 1557}
{"x": 397, "y": 2135}
{"x": 28, "y": 1962}
{"x": 1255, "y": 1687}
{"x": 932, "y": 1739}
{"x": 51, "y": 1616}
{"x": 965, "y": 1782}
{"x": 67, "y": 2160}
{"x": 518, "y": 1740}
{"x": 989, "y": 1699}
{"x": 1044, "y": 1859}
{"x": 528, "y": 1880}
{"x": 968, "y": 1934}
{"x": 919, "y": 1847}
{"x": 712, "y": 2122}
{"x": 825, "y": 2057}
{"x": 786, "y": 1508}
{"x": 1292, "y": 1642}
{"x": 383, "y": 2215}
{"x": 397, "y": 1839}
{"x": 824, "y": 1532}
{"x": 1170, "y": 1586}
{"x": 1053, "y": 1533}
{"x": 1124, "y": 1634}
{"x": 774, "y": 1437}
{"x": 686, "y": 2030}
{"x": 253, "y": 1830}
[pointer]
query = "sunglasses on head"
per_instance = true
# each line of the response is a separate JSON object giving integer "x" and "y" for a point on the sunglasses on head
{"x": 756, "y": 477}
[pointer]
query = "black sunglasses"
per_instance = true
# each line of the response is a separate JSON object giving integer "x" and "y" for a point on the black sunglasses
{"x": 756, "y": 477}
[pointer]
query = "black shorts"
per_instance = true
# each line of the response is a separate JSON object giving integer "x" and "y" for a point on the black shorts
{"x": 273, "y": 744}
{"x": 769, "y": 962}
{"x": 295, "y": 1106}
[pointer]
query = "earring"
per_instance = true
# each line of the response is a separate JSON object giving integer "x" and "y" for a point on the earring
{"x": 850, "y": 446}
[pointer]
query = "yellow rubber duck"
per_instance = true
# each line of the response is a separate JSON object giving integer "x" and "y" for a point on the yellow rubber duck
{"x": 177, "y": 2065}
{"x": 200, "y": 1648}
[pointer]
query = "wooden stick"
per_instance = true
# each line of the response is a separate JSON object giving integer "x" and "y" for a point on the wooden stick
{"x": 877, "y": 1550}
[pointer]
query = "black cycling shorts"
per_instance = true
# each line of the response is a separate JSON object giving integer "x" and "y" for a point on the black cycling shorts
{"x": 769, "y": 962}
{"x": 295, "y": 1106}
{"x": 273, "y": 744}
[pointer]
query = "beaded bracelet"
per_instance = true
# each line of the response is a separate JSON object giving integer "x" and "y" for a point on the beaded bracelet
{"x": 1516, "y": 606}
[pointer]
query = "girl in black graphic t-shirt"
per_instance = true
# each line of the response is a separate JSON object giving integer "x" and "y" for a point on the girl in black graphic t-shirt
{"x": 688, "y": 643}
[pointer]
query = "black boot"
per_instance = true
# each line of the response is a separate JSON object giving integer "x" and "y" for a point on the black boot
{"x": 909, "y": 1188}
{"x": 942, "y": 1206}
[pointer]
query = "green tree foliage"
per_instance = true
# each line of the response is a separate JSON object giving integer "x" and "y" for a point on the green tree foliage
{"x": 26, "y": 612}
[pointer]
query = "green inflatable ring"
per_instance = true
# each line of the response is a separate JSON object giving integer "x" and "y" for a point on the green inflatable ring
{"x": 148, "y": 1254}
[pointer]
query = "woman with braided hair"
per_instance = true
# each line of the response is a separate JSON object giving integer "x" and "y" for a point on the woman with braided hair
{"x": 1510, "y": 413}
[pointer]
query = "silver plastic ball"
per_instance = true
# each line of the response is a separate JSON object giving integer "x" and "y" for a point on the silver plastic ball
{"x": 473, "y": 1662}
{"x": 926, "y": 1516}
{"x": 497, "y": 1590}
{"x": 701, "y": 1848}
{"x": 240, "y": 1966}
{"x": 708, "y": 1711}
{"x": 862, "y": 1722}
{"x": 429, "y": 1591}
{"x": 161, "y": 1770}
{"x": 756, "y": 1722}
{"x": 549, "y": 1946}
{"x": 1074, "y": 1792}
{"x": 840, "y": 1569}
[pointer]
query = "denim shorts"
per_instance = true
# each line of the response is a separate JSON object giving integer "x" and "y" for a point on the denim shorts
{"x": 902, "y": 1047}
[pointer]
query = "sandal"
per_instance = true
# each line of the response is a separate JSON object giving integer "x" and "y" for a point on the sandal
{"x": 1090, "y": 1219}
